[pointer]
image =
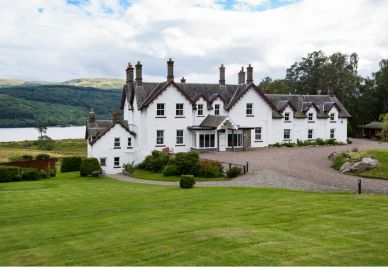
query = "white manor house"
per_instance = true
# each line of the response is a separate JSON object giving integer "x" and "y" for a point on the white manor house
{"x": 181, "y": 116}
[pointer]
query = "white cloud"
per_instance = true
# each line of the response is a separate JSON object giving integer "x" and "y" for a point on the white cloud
{"x": 98, "y": 39}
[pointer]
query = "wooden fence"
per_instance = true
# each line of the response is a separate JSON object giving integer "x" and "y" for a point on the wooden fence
{"x": 229, "y": 165}
{"x": 44, "y": 164}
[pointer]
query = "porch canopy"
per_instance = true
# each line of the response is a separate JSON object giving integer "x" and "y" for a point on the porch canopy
{"x": 213, "y": 122}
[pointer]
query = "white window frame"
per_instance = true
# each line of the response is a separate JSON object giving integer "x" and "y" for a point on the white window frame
{"x": 129, "y": 142}
{"x": 200, "y": 110}
{"x": 179, "y": 109}
{"x": 287, "y": 116}
{"x": 179, "y": 137}
{"x": 207, "y": 139}
{"x": 310, "y": 116}
{"x": 238, "y": 138}
{"x": 332, "y": 116}
{"x": 310, "y": 134}
{"x": 160, "y": 109}
{"x": 258, "y": 134}
{"x": 287, "y": 132}
{"x": 102, "y": 162}
{"x": 332, "y": 133}
{"x": 159, "y": 137}
{"x": 116, "y": 163}
{"x": 116, "y": 143}
{"x": 217, "y": 109}
{"x": 249, "y": 109}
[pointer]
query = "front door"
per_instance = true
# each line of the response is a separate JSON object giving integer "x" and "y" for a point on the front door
{"x": 222, "y": 141}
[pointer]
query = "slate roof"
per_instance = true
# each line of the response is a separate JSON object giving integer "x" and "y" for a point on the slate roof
{"x": 95, "y": 130}
{"x": 230, "y": 94}
{"x": 212, "y": 121}
{"x": 372, "y": 125}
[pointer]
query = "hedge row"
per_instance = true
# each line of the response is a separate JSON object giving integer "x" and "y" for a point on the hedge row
{"x": 12, "y": 174}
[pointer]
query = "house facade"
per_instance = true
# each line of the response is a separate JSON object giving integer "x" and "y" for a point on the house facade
{"x": 181, "y": 116}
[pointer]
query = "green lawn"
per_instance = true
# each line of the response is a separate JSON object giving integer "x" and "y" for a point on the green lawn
{"x": 148, "y": 175}
{"x": 381, "y": 171}
{"x": 71, "y": 220}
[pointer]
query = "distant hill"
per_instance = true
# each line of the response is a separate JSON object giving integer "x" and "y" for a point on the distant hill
{"x": 24, "y": 105}
{"x": 101, "y": 83}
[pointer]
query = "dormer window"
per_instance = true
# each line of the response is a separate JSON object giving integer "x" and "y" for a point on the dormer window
{"x": 310, "y": 116}
{"x": 332, "y": 117}
{"x": 217, "y": 109}
{"x": 287, "y": 116}
{"x": 160, "y": 110}
{"x": 249, "y": 109}
{"x": 200, "y": 109}
{"x": 116, "y": 143}
{"x": 179, "y": 110}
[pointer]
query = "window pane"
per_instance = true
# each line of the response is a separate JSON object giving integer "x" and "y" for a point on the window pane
{"x": 212, "y": 142}
{"x": 201, "y": 140}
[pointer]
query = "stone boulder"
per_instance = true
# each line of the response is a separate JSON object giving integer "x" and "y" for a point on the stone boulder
{"x": 359, "y": 166}
{"x": 332, "y": 155}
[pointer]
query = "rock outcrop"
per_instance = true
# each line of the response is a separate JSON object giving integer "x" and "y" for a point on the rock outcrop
{"x": 359, "y": 166}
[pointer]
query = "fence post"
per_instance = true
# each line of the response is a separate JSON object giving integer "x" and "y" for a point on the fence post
{"x": 230, "y": 166}
{"x": 244, "y": 168}
{"x": 359, "y": 187}
{"x": 247, "y": 164}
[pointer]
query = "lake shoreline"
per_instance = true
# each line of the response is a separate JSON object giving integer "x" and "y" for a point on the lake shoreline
{"x": 30, "y": 133}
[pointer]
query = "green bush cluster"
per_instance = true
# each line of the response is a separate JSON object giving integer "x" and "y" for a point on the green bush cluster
{"x": 70, "y": 164}
{"x": 187, "y": 181}
{"x": 90, "y": 167}
{"x": 155, "y": 162}
{"x": 29, "y": 157}
{"x": 12, "y": 174}
{"x": 42, "y": 156}
{"x": 210, "y": 169}
{"x": 316, "y": 142}
{"x": 129, "y": 168}
{"x": 169, "y": 170}
{"x": 234, "y": 172}
{"x": 187, "y": 163}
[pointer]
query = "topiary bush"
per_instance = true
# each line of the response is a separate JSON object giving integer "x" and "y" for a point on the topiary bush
{"x": 155, "y": 162}
{"x": 210, "y": 169}
{"x": 88, "y": 166}
{"x": 187, "y": 181}
{"x": 42, "y": 156}
{"x": 10, "y": 174}
{"x": 70, "y": 164}
{"x": 169, "y": 170}
{"x": 234, "y": 172}
{"x": 187, "y": 163}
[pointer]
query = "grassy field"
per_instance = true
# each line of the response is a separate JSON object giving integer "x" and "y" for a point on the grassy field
{"x": 62, "y": 148}
{"x": 148, "y": 175}
{"x": 69, "y": 220}
{"x": 381, "y": 171}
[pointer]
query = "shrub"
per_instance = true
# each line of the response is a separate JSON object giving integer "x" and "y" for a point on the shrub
{"x": 52, "y": 172}
{"x": 128, "y": 168}
{"x": 331, "y": 142}
{"x": 319, "y": 141}
{"x": 210, "y": 169}
{"x": 42, "y": 156}
{"x": 169, "y": 170}
{"x": 10, "y": 174}
{"x": 187, "y": 181}
{"x": 233, "y": 172}
{"x": 156, "y": 161}
{"x": 21, "y": 158}
{"x": 70, "y": 164}
{"x": 45, "y": 143}
{"x": 339, "y": 160}
{"x": 187, "y": 163}
{"x": 88, "y": 166}
{"x": 29, "y": 174}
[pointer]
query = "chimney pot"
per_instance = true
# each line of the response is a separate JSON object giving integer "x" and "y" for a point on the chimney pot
{"x": 170, "y": 70}
{"x": 129, "y": 71}
{"x": 116, "y": 116}
{"x": 241, "y": 76}
{"x": 222, "y": 75}
{"x": 183, "y": 80}
{"x": 249, "y": 74}
{"x": 92, "y": 116}
{"x": 139, "y": 78}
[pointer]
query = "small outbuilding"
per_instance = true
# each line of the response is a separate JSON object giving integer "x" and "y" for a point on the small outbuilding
{"x": 371, "y": 130}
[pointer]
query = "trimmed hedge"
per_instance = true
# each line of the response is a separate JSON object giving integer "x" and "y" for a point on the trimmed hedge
{"x": 169, "y": 170}
{"x": 187, "y": 181}
{"x": 71, "y": 164}
{"x": 31, "y": 174}
{"x": 187, "y": 163}
{"x": 89, "y": 166}
{"x": 10, "y": 174}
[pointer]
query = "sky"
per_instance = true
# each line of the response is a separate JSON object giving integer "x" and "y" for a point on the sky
{"x": 58, "y": 40}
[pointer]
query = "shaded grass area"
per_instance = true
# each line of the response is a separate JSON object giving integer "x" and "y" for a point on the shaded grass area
{"x": 381, "y": 171}
{"x": 148, "y": 175}
{"x": 62, "y": 148}
{"x": 69, "y": 220}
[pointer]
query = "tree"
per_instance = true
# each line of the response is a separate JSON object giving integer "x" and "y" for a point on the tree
{"x": 381, "y": 78}
{"x": 384, "y": 132}
{"x": 279, "y": 86}
{"x": 41, "y": 128}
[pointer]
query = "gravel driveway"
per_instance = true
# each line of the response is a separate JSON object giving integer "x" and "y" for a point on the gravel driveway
{"x": 305, "y": 168}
